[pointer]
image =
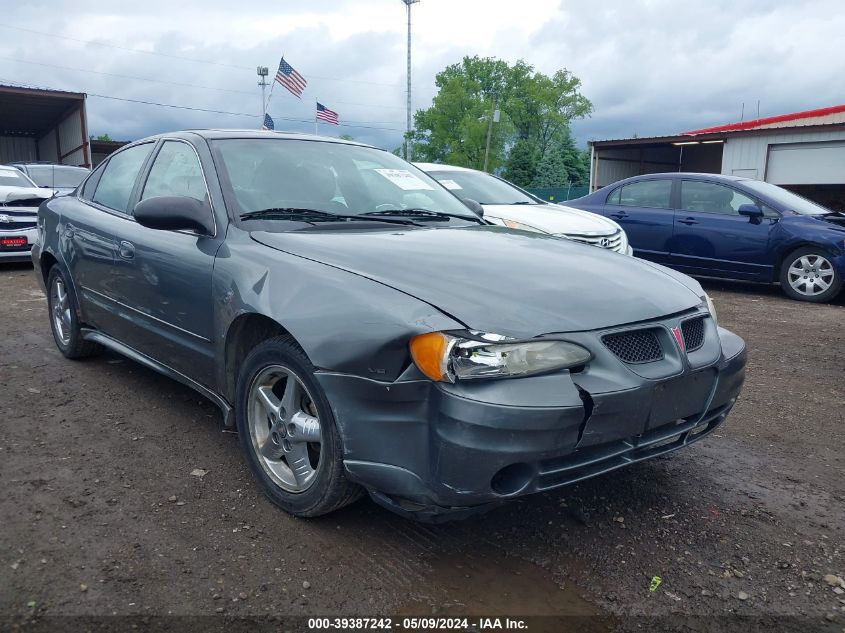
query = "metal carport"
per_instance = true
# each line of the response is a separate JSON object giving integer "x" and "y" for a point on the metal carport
{"x": 43, "y": 125}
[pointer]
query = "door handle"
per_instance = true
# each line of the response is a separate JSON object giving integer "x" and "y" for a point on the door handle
{"x": 689, "y": 221}
{"x": 619, "y": 216}
{"x": 126, "y": 250}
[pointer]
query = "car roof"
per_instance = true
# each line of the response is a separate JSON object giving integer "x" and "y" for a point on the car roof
{"x": 44, "y": 163}
{"x": 214, "y": 134}
{"x": 441, "y": 167}
{"x": 685, "y": 174}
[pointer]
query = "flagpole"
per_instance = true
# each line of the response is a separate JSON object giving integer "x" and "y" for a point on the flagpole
{"x": 270, "y": 96}
{"x": 316, "y": 121}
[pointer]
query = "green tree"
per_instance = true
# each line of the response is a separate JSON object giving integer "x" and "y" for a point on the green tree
{"x": 563, "y": 163}
{"x": 521, "y": 165}
{"x": 454, "y": 129}
{"x": 535, "y": 110}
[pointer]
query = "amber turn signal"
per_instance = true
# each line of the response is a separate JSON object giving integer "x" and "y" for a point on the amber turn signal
{"x": 429, "y": 352}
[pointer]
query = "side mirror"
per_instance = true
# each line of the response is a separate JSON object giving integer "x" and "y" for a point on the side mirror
{"x": 473, "y": 206}
{"x": 175, "y": 213}
{"x": 750, "y": 211}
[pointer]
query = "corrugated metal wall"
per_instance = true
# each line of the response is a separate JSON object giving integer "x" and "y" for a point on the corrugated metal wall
{"x": 746, "y": 155}
{"x": 16, "y": 148}
{"x": 70, "y": 138}
{"x": 613, "y": 165}
{"x": 47, "y": 149}
{"x": 65, "y": 143}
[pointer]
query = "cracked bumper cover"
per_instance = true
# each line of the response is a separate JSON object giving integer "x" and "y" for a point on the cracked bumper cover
{"x": 443, "y": 450}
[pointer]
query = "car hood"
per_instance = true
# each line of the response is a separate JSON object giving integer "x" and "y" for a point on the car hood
{"x": 513, "y": 283}
{"x": 9, "y": 195}
{"x": 553, "y": 218}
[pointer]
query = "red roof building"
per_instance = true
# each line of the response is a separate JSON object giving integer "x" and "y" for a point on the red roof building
{"x": 802, "y": 151}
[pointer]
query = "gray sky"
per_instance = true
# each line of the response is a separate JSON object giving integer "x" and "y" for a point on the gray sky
{"x": 649, "y": 67}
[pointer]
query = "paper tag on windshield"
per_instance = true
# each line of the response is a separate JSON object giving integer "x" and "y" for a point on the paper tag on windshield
{"x": 450, "y": 184}
{"x": 404, "y": 179}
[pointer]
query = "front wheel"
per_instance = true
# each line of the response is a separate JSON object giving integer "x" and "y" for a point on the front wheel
{"x": 807, "y": 274}
{"x": 287, "y": 431}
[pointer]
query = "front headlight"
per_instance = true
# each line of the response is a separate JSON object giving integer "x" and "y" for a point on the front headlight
{"x": 446, "y": 357}
{"x": 711, "y": 308}
{"x": 512, "y": 224}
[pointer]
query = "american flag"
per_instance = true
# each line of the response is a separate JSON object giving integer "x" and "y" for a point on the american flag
{"x": 290, "y": 79}
{"x": 268, "y": 122}
{"x": 324, "y": 114}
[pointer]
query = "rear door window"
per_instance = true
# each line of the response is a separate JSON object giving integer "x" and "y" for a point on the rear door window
{"x": 652, "y": 194}
{"x": 114, "y": 189}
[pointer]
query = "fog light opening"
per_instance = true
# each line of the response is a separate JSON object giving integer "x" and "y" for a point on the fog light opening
{"x": 512, "y": 479}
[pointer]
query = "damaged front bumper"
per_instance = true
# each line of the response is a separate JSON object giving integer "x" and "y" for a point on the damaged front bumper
{"x": 436, "y": 451}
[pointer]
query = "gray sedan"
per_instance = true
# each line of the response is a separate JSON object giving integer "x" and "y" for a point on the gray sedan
{"x": 366, "y": 331}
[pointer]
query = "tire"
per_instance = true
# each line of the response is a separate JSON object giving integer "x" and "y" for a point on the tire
{"x": 807, "y": 274}
{"x": 276, "y": 429}
{"x": 63, "y": 310}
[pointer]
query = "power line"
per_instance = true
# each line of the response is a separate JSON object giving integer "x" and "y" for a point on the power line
{"x": 120, "y": 76}
{"x": 162, "y": 81}
{"x": 353, "y": 124}
{"x": 172, "y": 83}
{"x": 180, "y": 57}
{"x": 246, "y": 114}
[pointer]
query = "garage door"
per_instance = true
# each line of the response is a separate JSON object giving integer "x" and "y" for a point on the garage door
{"x": 807, "y": 164}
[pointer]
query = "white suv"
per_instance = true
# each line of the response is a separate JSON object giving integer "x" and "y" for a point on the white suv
{"x": 19, "y": 202}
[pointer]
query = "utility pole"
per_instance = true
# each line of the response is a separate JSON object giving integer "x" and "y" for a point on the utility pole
{"x": 263, "y": 71}
{"x": 408, "y": 4}
{"x": 494, "y": 118}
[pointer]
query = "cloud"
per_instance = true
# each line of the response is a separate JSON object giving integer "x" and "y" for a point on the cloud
{"x": 650, "y": 67}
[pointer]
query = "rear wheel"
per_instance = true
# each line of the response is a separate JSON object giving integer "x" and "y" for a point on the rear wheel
{"x": 288, "y": 433}
{"x": 64, "y": 318}
{"x": 807, "y": 274}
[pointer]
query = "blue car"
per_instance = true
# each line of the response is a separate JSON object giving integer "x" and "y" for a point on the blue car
{"x": 710, "y": 225}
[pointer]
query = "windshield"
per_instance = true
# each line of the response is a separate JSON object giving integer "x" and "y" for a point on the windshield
{"x": 14, "y": 178}
{"x": 57, "y": 175}
{"x": 791, "y": 201}
{"x": 335, "y": 178}
{"x": 481, "y": 187}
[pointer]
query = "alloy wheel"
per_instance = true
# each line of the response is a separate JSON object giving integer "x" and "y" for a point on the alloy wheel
{"x": 284, "y": 428}
{"x": 61, "y": 310}
{"x": 810, "y": 275}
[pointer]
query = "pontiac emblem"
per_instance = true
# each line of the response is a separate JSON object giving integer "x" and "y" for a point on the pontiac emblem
{"x": 676, "y": 332}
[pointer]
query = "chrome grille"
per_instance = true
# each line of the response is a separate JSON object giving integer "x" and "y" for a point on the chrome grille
{"x": 635, "y": 347}
{"x": 693, "y": 331}
{"x": 16, "y": 220}
{"x": 610, "y": 241}
{"x": 16, "y": 225}
{"x": 23, "y": 204}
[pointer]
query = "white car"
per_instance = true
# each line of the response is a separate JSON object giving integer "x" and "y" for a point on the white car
{"x": 510, "y": 206}
{"x": 19, "y": 202}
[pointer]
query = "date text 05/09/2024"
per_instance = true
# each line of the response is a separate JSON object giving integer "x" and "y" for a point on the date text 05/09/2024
{"x": 417, "y": 624}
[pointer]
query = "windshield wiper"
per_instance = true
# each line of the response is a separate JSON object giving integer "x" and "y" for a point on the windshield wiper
{"x": 420, "y": 214}
{"x": 314, "y": 215}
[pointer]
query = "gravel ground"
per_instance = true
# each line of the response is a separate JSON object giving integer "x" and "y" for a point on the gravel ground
{"x": 103, "y": 512}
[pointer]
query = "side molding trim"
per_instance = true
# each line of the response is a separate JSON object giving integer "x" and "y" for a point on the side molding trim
{"x": 143, "y": 359}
